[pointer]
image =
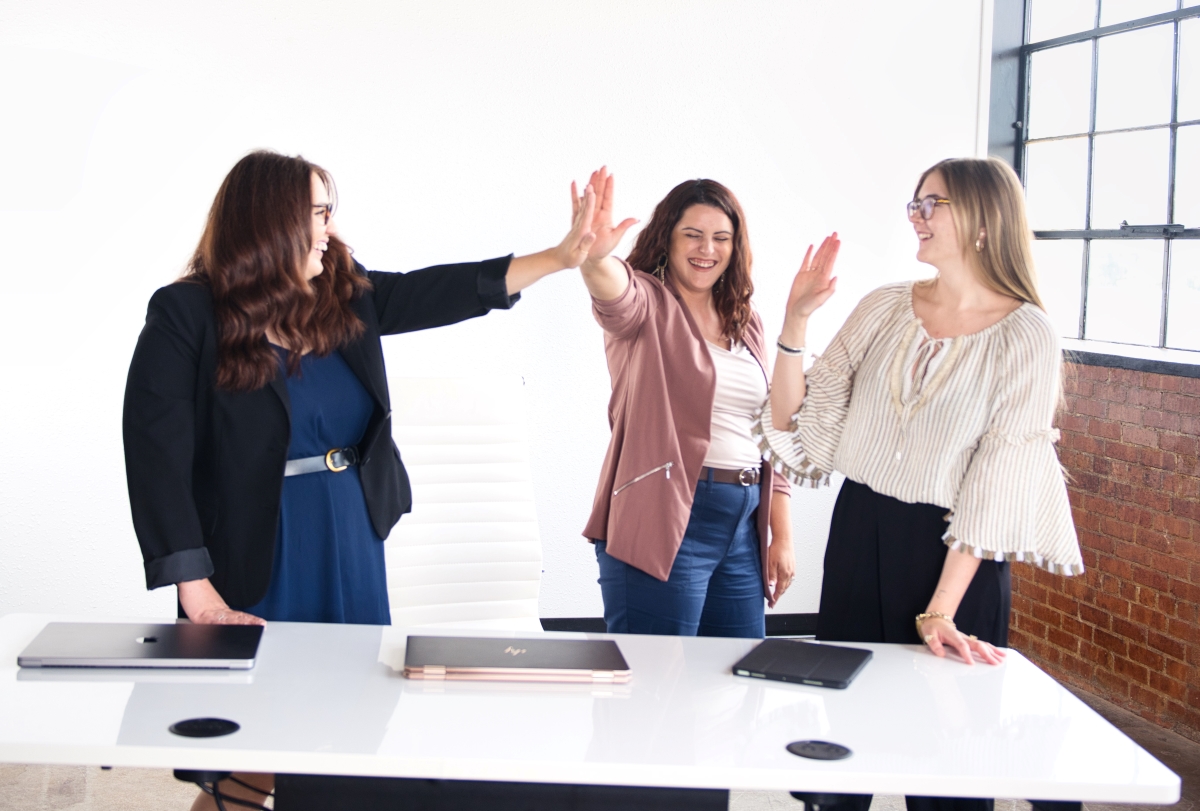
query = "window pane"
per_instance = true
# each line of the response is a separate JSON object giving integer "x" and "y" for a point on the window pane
{"x": 1187, "y": 176}
{"x": 1124, "y": 297}
{"x": 1060, "y": 90}
{"x": 1183, "y": 327}
{"x": 1118, "y": 11}
{"x": 1133, "y": 86}
{"x": 1055, "y": 18}
{"x": 1059, "y": 264}
{"x": 1056, "y": 183}
{"x": 1189, "y": 69}
{"x": 1129, "y": 178}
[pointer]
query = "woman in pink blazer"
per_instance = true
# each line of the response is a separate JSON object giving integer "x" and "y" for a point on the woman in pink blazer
{"x": 691, "y": 529}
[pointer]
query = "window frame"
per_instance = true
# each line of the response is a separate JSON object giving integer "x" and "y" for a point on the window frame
{"x": 1008, "y": 139}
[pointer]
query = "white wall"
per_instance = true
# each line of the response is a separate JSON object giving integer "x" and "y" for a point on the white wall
{"x": 453, "y": 130}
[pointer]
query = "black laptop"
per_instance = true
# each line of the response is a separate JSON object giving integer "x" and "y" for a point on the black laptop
{"x": 176, "y": 645}
{"x": 792, "y": 660}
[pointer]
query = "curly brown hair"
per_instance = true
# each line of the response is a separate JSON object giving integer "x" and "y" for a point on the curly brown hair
{"x": 252, "y": 256}
{"x": 731, "y": 296}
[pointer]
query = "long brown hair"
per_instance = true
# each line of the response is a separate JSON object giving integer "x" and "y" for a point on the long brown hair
{"x": 731, "y": 294}
{"x": 253, "y": 254}
{"x": 986, "y": 195}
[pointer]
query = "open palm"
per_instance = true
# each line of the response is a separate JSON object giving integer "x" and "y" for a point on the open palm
{"x": 815, "y": 282}
{"x": 607, "y": 236}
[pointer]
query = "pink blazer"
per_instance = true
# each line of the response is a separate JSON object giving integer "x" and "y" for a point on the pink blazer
{"x": 663, "y": 383}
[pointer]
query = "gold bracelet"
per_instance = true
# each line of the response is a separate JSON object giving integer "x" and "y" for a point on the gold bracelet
{"x": 931, "y": 615}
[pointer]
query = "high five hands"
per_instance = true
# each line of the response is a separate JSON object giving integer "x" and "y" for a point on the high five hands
{"x": 607, "y": 236}
{"x": 592, "y": 235}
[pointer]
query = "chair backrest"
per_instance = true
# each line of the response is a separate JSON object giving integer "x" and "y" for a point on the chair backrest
{"x": 469, "y": 554}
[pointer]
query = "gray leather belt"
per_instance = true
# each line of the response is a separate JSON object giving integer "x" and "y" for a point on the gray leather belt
{"x": 336, "y": 460}
{"x": 744, "y": 477}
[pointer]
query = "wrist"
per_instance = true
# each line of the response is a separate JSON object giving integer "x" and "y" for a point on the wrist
{"x": 794, "y": 331}
{"x": 927, "y": 616}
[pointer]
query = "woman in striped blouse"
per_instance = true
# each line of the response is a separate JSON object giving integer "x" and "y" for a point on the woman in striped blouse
{"x": 936, "y": 400}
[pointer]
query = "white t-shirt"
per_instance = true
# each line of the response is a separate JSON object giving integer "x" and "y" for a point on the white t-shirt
{"x": 741, "y": 390}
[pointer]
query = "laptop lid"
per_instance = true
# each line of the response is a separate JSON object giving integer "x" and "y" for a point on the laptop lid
{"x": 504, "y": 659}
{"x": 183, "y": 645}
{"x": 800, "y": 662}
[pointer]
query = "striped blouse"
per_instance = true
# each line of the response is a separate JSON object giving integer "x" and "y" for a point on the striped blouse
{"x": 964, "y": 423}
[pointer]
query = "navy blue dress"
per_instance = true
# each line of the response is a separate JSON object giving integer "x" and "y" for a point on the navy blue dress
{"x": 329, "y": 563}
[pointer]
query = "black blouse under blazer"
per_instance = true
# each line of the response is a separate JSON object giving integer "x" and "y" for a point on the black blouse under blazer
{"x": 205, "y": 466}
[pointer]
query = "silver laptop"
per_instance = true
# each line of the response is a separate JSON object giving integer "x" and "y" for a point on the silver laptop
{"x": 183, "y": 645}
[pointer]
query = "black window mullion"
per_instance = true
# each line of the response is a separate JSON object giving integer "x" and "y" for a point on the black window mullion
{"x": 1166, "y": 274}
{"x": 1087, "y": 206}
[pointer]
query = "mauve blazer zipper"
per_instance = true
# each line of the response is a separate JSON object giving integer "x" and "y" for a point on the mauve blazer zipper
{"x": 636, "y": 479}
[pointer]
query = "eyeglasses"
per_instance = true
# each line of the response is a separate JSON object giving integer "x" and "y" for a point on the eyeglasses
{"x": 325, "y": 210}
{"x": 925, "y": 206}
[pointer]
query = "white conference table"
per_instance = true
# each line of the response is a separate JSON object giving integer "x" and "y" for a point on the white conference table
{"x": 329, "y": 699}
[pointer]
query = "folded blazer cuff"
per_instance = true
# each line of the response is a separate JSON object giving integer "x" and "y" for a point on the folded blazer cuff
{"x": 189, "y": 564}
{"x": 492, "y": 284}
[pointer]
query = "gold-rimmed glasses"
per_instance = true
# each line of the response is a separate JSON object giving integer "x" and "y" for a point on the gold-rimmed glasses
{"x": 925, "y": 206}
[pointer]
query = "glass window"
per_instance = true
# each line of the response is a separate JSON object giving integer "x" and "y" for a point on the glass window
{"x": 1118, "y": 11}
{"x": 1112, "y": 136}
{"x": 1129, "y": 178}
{"x": 1183, "y": 325}
{"x": 1060, "y": 90}
{"x": 1124, "y": 293}
{"x": 1054, "y": 18}
{"x": 1187, "y": 176}
{"x": 1189, "y": 69}
{"x": 1133, "y": 82}
{"x": 1056, "y": 183}
{"x": 1059, "y": 264}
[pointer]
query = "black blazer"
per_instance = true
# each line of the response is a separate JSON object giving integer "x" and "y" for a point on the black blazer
{"x": 205, "y": 466}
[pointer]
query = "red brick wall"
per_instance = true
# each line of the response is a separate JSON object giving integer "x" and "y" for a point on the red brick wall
{"x": 1128, "y": 630}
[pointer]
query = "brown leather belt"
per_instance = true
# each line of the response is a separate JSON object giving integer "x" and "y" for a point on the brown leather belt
{"x": 745, "y": 477}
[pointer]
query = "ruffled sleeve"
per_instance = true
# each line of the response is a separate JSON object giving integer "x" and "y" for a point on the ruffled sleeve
{"x": 804, "y": 453}
{"x": 1012, "y": 504}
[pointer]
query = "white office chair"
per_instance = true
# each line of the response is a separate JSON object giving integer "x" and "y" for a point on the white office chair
{"x": 469, "y": 555}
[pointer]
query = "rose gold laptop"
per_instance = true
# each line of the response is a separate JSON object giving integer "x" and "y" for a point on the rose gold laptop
{"x": 456, "y": 658}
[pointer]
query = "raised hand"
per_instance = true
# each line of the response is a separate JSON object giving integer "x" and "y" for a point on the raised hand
{"x": 607, "y": 235}
{"x": 815, "y": 282}
{"x": 575, "y": 245}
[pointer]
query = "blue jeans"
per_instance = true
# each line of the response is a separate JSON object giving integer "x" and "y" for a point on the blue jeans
{"x": 715, "y": 586}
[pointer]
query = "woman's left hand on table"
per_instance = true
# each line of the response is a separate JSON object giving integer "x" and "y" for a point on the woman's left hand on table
{"x": 941, "y": 636}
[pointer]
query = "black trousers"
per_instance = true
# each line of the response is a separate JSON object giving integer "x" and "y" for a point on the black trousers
{"x": 882, "y": 564}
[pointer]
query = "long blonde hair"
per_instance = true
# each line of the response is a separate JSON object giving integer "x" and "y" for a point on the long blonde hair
{"x": 985, "y": 194}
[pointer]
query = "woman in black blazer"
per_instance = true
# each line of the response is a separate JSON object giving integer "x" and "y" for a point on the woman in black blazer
{"x": 208, "y": 417}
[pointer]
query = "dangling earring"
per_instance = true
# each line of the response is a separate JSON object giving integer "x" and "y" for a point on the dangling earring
{"x": 719, "y": 283}
{"x": 660, "y": 270}
{"x": 979, "y": 243}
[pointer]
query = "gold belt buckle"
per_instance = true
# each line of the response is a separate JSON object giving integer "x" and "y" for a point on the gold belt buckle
{"x": 329, "y": 461}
